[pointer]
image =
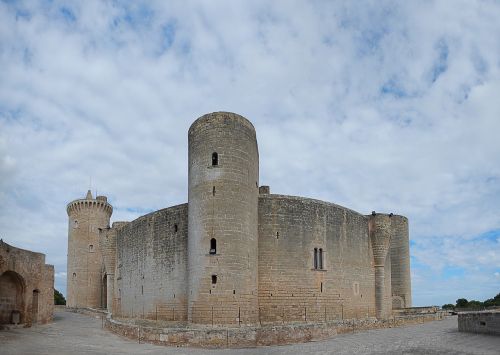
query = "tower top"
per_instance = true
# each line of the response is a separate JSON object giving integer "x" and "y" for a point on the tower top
{"x": 99, "y": 203}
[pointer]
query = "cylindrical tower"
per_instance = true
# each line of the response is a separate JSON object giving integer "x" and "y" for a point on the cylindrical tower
{"x": 400, "y": 263}
{"x": 84, "y": 283}
{"x": 380, "y": 236}
{"x": 222, "y": 220}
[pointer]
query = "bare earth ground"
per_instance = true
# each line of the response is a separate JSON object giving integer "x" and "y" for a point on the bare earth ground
{"x": 72, "y": 333}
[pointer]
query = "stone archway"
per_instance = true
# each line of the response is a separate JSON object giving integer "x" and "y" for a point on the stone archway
{"x": 12, "y": 295}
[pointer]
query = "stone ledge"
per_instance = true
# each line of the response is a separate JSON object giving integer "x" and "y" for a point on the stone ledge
{"x": 220, "y": 337}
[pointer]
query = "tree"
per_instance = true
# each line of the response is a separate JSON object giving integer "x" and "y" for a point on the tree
{"x": 475, "y": 304}
{"x": 462, "y": 303}
{"x": 448, "y": 306}
{"x": 59, "y": 298}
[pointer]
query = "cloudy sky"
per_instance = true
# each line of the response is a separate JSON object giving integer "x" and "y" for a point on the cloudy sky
{"x": 374, "y": 105}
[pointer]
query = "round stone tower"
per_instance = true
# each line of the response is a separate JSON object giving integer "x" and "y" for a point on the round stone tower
{"x": 85, "y": 283}
{"x": 380, "y": 236}
{"x": 223, "y": 220}
{"x": 400, "y": 263}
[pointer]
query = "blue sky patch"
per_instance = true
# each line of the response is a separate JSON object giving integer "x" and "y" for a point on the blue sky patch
{"x": 441, "y": 63}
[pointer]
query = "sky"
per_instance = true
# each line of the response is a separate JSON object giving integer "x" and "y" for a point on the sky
{"x": 388, "y": 106}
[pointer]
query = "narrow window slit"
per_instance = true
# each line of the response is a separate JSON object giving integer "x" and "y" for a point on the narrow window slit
{"x": 213, "y": 246}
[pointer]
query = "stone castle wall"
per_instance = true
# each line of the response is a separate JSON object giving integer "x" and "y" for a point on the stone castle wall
{"x": 26, "y": 286}
{"x": 151, "y": 266}
{"x": 290, "y": 288}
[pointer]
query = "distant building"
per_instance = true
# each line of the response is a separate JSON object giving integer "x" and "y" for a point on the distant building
{"x": 26, "y": 287}
{"x": 235, "y": 253}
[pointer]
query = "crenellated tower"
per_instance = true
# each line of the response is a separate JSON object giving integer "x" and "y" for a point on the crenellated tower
{"x": 84, "y": 277}
{"x": 223, "y": 220}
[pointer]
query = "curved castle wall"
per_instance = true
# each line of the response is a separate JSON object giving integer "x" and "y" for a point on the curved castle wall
{"x": 151, "y": 261}
{"x": 290, "y": 287}
{"x": 84, "y": 275}
{"x": 223, "y": 190}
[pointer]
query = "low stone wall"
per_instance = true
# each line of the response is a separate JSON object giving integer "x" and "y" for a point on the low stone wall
{"x": 479, "y": 322}
{"x": 219, "y": 337}
{"x": 415, "y": 310}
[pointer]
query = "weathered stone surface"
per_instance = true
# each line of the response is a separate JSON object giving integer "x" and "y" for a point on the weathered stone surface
{"x": 151, "y": 266}
{"x": 487, "y": 322}
{"x": 26, "y": 286}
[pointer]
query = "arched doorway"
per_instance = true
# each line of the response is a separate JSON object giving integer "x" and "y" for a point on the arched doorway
{"x": 104, "y": 295}
{"x": 12, "y": 291}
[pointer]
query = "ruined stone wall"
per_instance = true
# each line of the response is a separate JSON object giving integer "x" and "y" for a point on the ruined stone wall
{"x": 223, "y": 190}
{"x": 151, "y": 262}
{"x": 26, "y": 285}
{"x": 290, "y": 289}
{"x": 84, "y": 274}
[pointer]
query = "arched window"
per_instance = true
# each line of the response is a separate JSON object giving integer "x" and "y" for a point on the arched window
{"x": 176, "y": 228}
{"x": 320, "y": 259}
{"x": 315, "y": 258}
{"x": 213, "y": 246}
{"x": 215, "y": 159}
{"x": 214, "y": 279}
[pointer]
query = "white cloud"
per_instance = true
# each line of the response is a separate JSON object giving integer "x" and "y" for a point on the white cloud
{"x": 376, "y": 106}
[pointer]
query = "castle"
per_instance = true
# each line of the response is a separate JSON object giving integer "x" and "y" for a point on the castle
{"x": 235, "y": 253}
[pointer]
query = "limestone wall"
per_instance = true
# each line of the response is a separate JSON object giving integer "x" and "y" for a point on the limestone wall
{"x": 107, "y": 244}
{"x": 290, "y": 288}
{"x": 26, "y": 285}
{"x": 487, "y": 322}
{"x": 151, "y": 261}
{"x": 223, "y": 190}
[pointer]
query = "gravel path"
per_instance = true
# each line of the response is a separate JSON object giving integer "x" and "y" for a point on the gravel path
{"x": 72, "y": 333}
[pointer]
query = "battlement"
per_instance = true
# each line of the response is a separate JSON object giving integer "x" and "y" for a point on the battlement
{"x": 83, "y": 204}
